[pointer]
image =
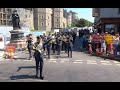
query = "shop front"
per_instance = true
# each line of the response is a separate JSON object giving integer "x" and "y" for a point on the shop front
{"x": 108, "y": 25}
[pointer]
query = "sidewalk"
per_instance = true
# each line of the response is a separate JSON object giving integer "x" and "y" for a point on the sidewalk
{"x": 117, "y": 58}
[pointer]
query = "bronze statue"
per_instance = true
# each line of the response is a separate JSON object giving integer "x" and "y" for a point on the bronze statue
{"x": 15, "y": 20}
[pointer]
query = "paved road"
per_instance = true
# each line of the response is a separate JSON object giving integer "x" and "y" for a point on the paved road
{"x": 81, "y": 68}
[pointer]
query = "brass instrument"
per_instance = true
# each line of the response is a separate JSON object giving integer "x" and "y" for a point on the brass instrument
{"x": 38, "y": 48}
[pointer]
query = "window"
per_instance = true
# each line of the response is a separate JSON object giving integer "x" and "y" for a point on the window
{"x": 57, "y": 20}
{"x": 42, "y": 17}
{"x": 48, "y": 17}
{"x": 118, "y": 10}
{"x": 42, "y": 24}
{"x": 48, "y": 24}
{"x": 57, "y": 25}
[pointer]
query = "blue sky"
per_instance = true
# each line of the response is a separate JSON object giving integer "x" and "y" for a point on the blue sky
{"x": 85, "y": 13}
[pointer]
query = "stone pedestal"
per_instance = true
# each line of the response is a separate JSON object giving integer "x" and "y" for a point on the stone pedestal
{"x": 17, "y": 39}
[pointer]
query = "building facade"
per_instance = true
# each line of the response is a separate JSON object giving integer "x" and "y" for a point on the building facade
{"x": 74, "y": 15}
{"x": 57, "y": 18}
{"x": 64, "y": 23}
{"x": 43, "y": 19}
{"x": 5, "y": 14}
{"x": 107, "y": 19}
{"x": 69, "y": 19}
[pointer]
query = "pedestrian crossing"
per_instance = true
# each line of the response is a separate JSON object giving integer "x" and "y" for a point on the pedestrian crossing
{"x": 90, "y": 62}
{"x": 71, "y": 60}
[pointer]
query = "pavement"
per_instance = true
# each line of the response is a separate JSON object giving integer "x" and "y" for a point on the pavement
{"x": 81, "y": 67}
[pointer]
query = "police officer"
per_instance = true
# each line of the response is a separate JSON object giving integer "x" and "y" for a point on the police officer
{"x": 69, "y": 45}
{"x": 38, "y": 54}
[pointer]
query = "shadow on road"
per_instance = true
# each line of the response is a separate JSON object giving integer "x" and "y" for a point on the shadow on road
{"x": 29, "y": 67}
{"x": 57, "y": 56}
{"x": 16, "y": 77}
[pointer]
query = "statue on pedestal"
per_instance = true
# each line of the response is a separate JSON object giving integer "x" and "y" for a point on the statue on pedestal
{"x": 15, "y": 20}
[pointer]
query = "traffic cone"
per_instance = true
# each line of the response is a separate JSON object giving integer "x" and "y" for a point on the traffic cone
{"x": 97, "y": 50}
{"x": 90, "y": 48}
{"x": 12, "y": 56}
{"x": 111, "y": 55}
{"x": 11, "y": 53}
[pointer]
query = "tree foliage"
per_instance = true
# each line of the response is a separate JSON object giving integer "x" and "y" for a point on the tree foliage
{"x": 81, "y": 23}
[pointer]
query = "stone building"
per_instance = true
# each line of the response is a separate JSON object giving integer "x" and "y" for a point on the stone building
{"x": 69, "y": 19}
{"x": 57, "y": 19}
{"x": 43, "y": 19}
{"x": 26, "y": 17}
{"x": 5, "y": 14}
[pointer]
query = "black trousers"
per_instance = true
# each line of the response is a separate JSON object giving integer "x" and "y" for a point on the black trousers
{"x": 48, "y": 52}
{"x": 39, "y": 63}
{"x": 30, "y": 52}
{"x": 58, "y": 47}
{"x": 53, "y": 47}
{"x": 69, "y": 50}
{"x": 65, "y": 47}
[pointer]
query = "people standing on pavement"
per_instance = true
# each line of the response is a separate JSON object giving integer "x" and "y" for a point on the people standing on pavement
{"x": 116, "y": 40}
{"x": 29, "y": 46}
{"x": 38, "y": 54}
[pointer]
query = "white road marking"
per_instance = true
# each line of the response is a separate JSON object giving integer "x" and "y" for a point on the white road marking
{"x": 91, "y": 63}
{"x": 77, "y": 62}
{"x": 116, "y": 62}
{"x": 65, "y": 59}
{"x": 62, "y": 61}
{"x": 106, "y": 63}
{"x": 51, "y": 61}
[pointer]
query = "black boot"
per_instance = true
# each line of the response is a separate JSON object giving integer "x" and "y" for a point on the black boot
{"x": 41, "y": 77}
{"x": 36, "y": 76}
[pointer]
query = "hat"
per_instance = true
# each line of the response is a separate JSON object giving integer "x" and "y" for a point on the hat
{"x": 38, "y": 37}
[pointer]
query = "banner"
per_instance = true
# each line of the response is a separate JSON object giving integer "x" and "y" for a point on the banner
{"x": 96, "y": 38}
{"x": 10, "y": 48}
{"x": 109, "y": 39}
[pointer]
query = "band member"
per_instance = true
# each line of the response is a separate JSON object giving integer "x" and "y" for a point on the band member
{"x": 53, "y": 43}
{"x": 58, "y": 44}
{"x": 29, "y": 46}
{"x": 69, "y": 45}
{"x": 48, "y": 45}
{"x": 38, "y": 54}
